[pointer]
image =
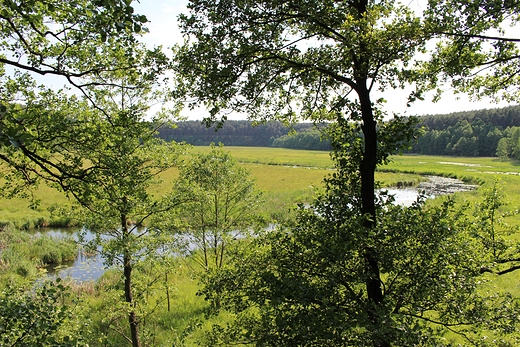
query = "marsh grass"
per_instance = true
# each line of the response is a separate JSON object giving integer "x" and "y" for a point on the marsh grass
{"x": 22, "y": 253}
{"x": 183, "y": 324}
{"x": 277, "y": 156}
{"x": 288, "y": 177}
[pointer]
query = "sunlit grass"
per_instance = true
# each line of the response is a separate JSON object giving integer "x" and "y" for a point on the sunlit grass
{"x": 288, "y": 177}
{"x": 19, "y": 213}
{"x": 477, "y": 170}
{"x": 277, "y": 156}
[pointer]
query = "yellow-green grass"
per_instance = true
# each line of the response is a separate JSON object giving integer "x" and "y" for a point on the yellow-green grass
{"x": 477, "y": 170}
{"x": 288, "y": 177}
{"x": 277, "y": 156}
{"x": 18, "y": 213}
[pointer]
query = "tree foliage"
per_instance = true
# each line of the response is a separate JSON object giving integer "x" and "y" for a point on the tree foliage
{"x": 83, "y": 44}
{"x": 65, "y": 39}
{"x": 311, "y": 139}
{"x": 318, "y": 60}
{"x": 232, "y": 133}
{"x": 305, "y": 283}
{"x": 470, "y": 133}
{"x": 293, "y": 59}
{"x": 221, "y": 203}
{"x": 479, "y": 49}
{"x": 38, "y": 318}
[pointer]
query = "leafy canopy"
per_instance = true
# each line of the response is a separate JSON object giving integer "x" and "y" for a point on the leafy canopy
{"x": 296, "y": 58}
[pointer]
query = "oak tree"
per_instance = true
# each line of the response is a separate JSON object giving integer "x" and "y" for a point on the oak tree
{"x": 330, "y": 61}
{"x": 318, "y": 60}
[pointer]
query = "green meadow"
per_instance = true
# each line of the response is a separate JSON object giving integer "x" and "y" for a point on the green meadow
{"x": 287, "y": 177}
{"x": 481, "y": 171}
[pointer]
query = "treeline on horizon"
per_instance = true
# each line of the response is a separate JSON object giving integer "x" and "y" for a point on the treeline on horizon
{"x": 479, "y": 133}
{"x": 243, "y": 133}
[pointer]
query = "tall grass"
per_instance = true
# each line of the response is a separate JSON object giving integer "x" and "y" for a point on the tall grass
{"x": 181, "y": 323}
{"x": 288, "y": 177}
{"x": 22, "y": 253}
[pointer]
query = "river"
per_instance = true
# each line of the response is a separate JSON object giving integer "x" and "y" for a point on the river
{"x": 86, "y": 268}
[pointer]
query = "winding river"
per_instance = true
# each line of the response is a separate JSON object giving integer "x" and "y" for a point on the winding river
{"x": 87, "y": 268}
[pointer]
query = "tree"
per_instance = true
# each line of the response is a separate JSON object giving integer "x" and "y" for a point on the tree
{"x": 120, "y": 159}
{"x": 222, "y": 203}
{"x": 318, "y": 60}
{"x": 491, "y": 229}
{"x": 503, "y": 150}
{"x": 221, "y": 208}
{"x": 75, "y": 43}
{"x": 120, "y": 206}
{"x": 304, "y": 284}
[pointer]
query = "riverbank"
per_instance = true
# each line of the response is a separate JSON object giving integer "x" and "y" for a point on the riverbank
{"x": 23, "y": 253}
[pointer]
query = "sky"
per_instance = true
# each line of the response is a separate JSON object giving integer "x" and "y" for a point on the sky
{"x": 162, "y": 16}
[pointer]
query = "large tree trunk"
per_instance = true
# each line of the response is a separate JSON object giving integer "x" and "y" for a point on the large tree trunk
{"x": 367, "y": 172}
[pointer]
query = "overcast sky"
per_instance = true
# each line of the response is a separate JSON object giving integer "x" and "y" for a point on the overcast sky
{"x": 162, "y": 15}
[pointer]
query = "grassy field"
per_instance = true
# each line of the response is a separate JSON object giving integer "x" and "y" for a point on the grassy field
{"x": 481, "y": 171}
{"x": 290, "y": 176}
{"x": 286, "y": 177}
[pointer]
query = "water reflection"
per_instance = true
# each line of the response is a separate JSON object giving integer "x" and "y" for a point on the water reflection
{"x": 91, "y": 267}
{"x": 83, "y": 268}
{"x": 403, "y": 196}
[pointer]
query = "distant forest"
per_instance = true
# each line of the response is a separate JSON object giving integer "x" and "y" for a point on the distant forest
{"x": 486, "y": 133}
{"x": 243, "y": 133}
{"x": 471, "y": 133}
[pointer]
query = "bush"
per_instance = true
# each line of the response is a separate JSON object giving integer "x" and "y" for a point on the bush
{"x": 25, "y": 269}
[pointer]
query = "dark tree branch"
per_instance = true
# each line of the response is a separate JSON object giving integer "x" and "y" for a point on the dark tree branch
{"x": 483, "y": 37}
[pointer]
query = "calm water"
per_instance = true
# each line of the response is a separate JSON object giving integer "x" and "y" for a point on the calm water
{"x": 87, "y": 268}
{"x": 84, "y": 267}
{"x": 403, "y": 196}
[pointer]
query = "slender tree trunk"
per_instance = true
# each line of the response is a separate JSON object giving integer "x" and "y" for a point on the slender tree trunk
{"x": 167, "y": 291}
{"x": 127, "y": 270}
{"x": 132, "y": 318}
{"x": 205, "y": 249}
